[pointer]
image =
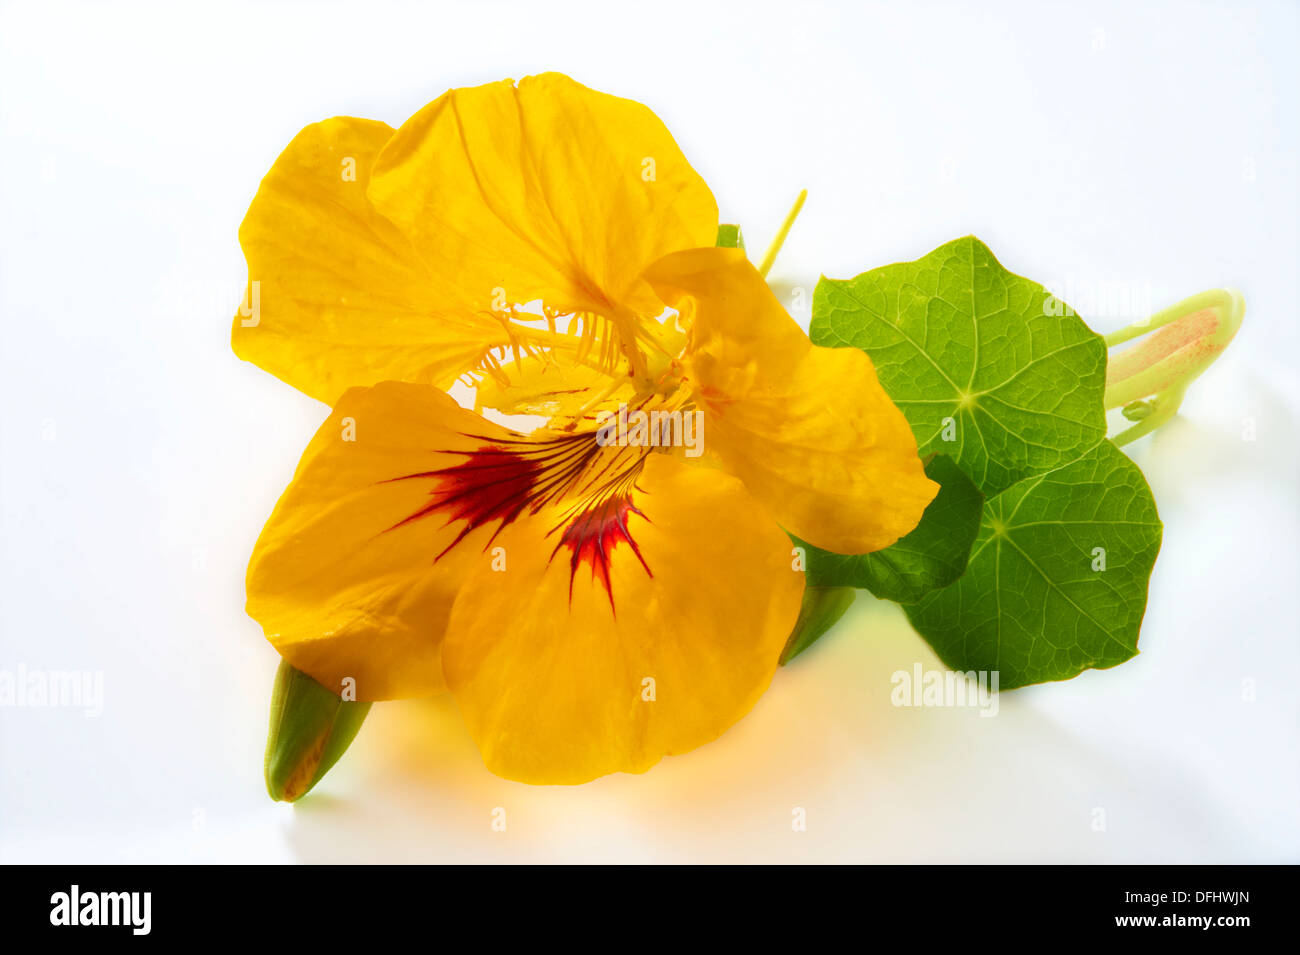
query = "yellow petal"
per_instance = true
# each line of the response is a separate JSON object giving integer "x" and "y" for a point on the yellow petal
{"x": 352, "y": 576}
{"x": 809, "y": 430}
{"x": 546, "y": 190}
{"x": 561, "y": 680}
{"x": 341, "y": 298}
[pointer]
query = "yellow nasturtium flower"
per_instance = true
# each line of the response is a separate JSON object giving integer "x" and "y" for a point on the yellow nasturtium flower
{"x": 592, "y": 604}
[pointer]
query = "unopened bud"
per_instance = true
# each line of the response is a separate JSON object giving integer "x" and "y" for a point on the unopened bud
{"x": 311, "y": 727}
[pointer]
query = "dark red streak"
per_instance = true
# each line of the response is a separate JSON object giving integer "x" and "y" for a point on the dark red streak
{"x": 497, "y": 484}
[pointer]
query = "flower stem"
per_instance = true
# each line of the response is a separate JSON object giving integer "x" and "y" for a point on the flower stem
{"x": 770, "y": 255}
{"x": 1164, "y": 407}
{"x": 1188, "y": 338}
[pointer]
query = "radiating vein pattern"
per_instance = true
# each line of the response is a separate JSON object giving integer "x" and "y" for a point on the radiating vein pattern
{"x": 988, "y": 367}
{"x": 1057, "y": 580}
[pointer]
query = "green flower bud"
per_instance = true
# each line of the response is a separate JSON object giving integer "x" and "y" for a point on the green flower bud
{"x": 311, "y": 727}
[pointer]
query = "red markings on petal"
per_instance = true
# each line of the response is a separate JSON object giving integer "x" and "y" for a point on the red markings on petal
{"x": 592, "y": 535}
{"x": 492, "y": 484}
{"x": 498, "y": 482}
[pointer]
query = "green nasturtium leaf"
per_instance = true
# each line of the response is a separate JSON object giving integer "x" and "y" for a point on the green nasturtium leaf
{"x": 931, "y": 556}
{"x": 987, "y": 366}
{"x": 992, "y": 370}
{"x": 821, "y": 609}
{"x": 1057, "y": 579}
{"x": 729, "y": 237}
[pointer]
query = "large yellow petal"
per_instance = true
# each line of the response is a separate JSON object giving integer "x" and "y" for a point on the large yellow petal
{"x": 545, "y": 190}
{"x": 352, "y": 576}
{"x": 561, "y": 680}
{"x": 809, "y": 430}
{"x": 341, "y": 298}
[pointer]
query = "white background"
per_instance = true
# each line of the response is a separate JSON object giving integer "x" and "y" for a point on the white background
{"x": 1144, "y": 147}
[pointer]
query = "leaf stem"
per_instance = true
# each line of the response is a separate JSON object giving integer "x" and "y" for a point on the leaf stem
{"x": 779, "y": 240}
